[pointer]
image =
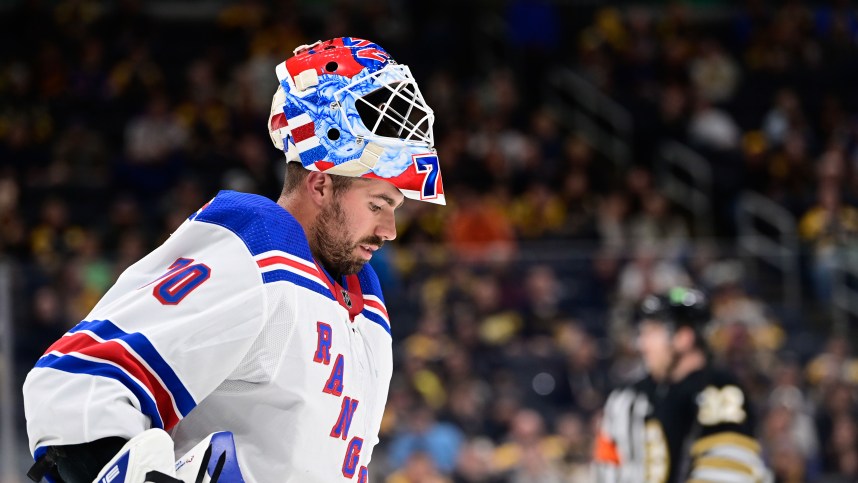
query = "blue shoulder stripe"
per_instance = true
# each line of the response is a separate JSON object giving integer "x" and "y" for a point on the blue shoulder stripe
{"x": 369, "y": 284}
{"x": 260, "y": 223}
{"x": 74, "y": 365}
{"x": 141, "y": 345}
{"x": 376, "y": 318}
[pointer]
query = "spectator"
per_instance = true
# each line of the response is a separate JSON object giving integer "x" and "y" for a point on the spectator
{"x": 437, "y": 442}
{"x": 476, "y": 463}
{"x": 418, "y": 469}
{"x": 788, "y": 427}
{"x": 529, "y": 455}
{"x": 712, "y": 128}
{"x": 784, "y": 116}
{"x": 714, "y": 74}
{"x": 150, "y": 138}
{"x": 478, "y": 230}
{"x": 658, "y": 225}
{"x": 830, "y": 228}
{"x": 647, "y": 273}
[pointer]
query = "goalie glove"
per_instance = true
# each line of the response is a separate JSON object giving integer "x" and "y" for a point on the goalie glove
{"x": 148, "y": 458}
{"x": 212, "y": 460}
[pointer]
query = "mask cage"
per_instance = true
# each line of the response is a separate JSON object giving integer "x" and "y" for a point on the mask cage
{"x": 393, "y": 111}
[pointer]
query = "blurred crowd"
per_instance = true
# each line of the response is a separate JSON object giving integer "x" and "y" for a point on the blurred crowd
{"x": 510, "y": 306}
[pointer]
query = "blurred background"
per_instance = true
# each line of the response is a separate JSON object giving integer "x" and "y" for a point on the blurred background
{"x": 591, "y": 155}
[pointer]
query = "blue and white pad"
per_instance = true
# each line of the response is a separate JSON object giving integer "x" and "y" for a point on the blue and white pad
{"x": 216, "y": 455}
{"x": 149, "y": 452}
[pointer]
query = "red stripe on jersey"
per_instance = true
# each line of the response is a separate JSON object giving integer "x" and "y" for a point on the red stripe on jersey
{"x": 376, "y": 305}
{"x": 265, "y": 262}
{"x": 116, "y": 353}
{"x": 306, "y": 131}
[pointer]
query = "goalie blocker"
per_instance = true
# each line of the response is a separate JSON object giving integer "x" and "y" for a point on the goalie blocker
{"x": 148, "y": 458}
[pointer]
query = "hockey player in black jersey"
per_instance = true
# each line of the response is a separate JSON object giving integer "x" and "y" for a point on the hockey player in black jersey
{"x": 686, "y": 421}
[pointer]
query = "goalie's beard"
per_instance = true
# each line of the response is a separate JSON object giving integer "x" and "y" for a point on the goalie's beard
{"x": 333, "y": 245}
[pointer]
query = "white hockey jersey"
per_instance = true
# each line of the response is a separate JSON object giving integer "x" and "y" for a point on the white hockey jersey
{"x": 229, "y": 325}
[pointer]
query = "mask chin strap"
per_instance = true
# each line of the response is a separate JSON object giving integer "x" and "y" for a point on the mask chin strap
{"x": 366, "y": 162}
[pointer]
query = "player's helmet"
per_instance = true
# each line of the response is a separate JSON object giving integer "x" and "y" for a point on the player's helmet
{"x": 345, "y": 107}
{"x": 679, "y": 307}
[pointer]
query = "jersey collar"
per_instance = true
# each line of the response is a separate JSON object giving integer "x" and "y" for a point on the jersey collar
{"x": 350, "y": 297}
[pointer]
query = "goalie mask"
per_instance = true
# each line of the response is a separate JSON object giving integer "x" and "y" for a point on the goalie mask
{"x": 345, "y": 107}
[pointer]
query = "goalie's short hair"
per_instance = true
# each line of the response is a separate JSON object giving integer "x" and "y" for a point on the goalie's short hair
{"x": 296, "y": 174}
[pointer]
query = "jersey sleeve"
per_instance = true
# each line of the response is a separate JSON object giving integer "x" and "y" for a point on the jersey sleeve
{"x": 606, "y": 456}
{"x": 726, "y": 449}
{"x": 172, "y": 328}
{"x": 620, "y": 434}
